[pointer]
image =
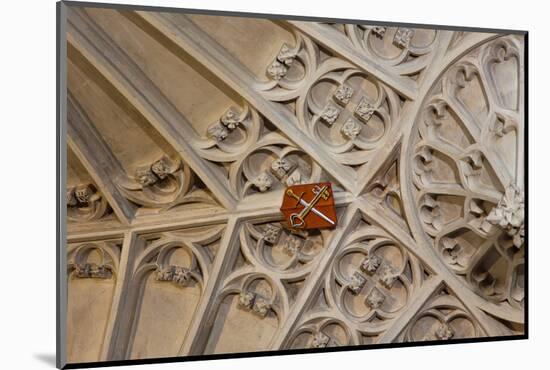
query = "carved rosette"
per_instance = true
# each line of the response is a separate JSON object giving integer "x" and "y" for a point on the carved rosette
{"x": 467, "y": 179}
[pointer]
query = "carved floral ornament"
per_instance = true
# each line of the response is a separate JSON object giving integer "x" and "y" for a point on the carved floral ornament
{"x": 254, "y": 157}
{"x": 443, "y": 317}
{"x": 164, "y": 184}
{"x": 347, "y": 110}
{"x": 282, "y": 62}
{"x": 179, "y": 258}
{"x": 280, "y": 249}
{"x": 85, "y": 203}
{"x": 322, "y": 332}
{"x": 230, "y": 121}
{"x": 376, "y": 277}
{"x": 509, "y": 214}
{"x": 104, "y": 266}
{"x": 257, "y": 295}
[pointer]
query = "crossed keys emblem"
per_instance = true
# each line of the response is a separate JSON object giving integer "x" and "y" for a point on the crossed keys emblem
{"x": 318, "y": 212}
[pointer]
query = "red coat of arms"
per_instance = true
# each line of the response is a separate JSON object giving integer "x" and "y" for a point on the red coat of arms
{"x": 309, "y": 206}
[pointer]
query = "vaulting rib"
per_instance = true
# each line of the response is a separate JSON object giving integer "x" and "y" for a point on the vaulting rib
{"x": 98, "y": 160}
{"x": 117, "y": 313}
{"x": 425, "y": 292}
{"x": 339, "y": 44}
{"x": 185, "y": 34}
{"x": 118, "y": 68}
{"x": 197, "y": 333}
{"x": 316, "y": 277}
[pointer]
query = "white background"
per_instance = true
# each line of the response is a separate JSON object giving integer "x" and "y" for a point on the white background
{"x": 27, "y": 181}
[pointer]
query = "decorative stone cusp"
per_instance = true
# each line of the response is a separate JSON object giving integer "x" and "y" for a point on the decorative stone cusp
{"x": 281, "y": 167}
{"x": 509, "y": 214}
{"x": 279, "y": 67}
{"x": 375, "y": 298}
{"x": 177, "y": 274}
{"x": 92, "y": 270}
{"x": 330, "y": 114}
{"x": 364, "y": 110}
{"x": 217, "y": 132}
{"x": 252, "y": 302}
{"x": 379, "y": 31}
{"x": 371, "y": 263}
{"x": 343, "y": 94}
{"x": 387, "y": 277}
{"x": 272, "y": 233}
{"x": 351, "y": 129}
{"x": 320, "y": 340}
{"x": 402, "y": 38}
{"x": 357, "y": 282}
{"x": 263, "y": 182}
{"x": 157, "y": 171}
{"x": 444, "y": 332}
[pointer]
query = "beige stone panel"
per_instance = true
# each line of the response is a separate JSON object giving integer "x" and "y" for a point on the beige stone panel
{"x": 164, "y": 316}
{"x": 89, "y": 305}
{"x": 236, "y": 330}
{"x": 254, "y": 42}
{"x": 112, "y": 115}
{"x": 76, "y": 173}
{"x": 194, "y": 91}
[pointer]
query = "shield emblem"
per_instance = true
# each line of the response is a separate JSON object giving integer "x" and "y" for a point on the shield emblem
{"x": 309, "y": 206}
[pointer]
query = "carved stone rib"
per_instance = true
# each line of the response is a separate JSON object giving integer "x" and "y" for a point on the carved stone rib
{"x": 339, "y": 44}
{"x": 316, "y": 277}
{"x": 185, "y": 34}
{"x": 119, "y": 69}
{"x": 367, "y": 174}
{"x": 95, "y": 156}
{"x": 119, "y": 297}
{"x": 267, "y": 209}
{"x": 195, "y": 339}
{"x": 426, "y": 291}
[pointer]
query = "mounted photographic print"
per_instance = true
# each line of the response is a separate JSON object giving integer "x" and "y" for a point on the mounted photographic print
{"x": 237, "y": 184}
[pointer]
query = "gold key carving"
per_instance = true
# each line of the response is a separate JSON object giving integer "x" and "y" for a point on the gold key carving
{"x": 297, "y": 219}
{"x": 309, "y": 206}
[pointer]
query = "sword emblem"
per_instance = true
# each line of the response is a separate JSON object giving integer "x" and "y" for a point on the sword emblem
{"x": 297, "y": 219}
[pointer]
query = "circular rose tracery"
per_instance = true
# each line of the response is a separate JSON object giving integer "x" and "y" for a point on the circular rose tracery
{"x": 467, "y": 185}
